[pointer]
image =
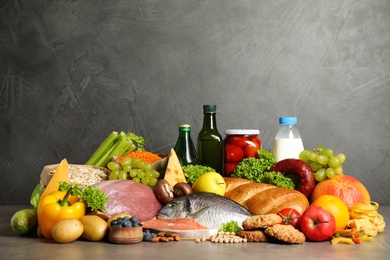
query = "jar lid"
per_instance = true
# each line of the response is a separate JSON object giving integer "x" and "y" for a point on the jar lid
{"x": 288, "y": 120}
{"x": 242, "y": 132}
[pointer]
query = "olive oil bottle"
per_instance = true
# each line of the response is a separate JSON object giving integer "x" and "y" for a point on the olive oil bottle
{"x": 210, "y": 143}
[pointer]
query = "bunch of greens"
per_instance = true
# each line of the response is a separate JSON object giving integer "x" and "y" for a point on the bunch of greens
{"x": 94, "y": 197}
{"x": 192, "y": 172}
{"x": 257, "y": 170}
{"x": 231, "y": 226}
{"x": 36, "y": 196}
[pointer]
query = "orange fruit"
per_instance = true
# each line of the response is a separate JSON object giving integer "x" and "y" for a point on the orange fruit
{"x": 347, "y": 188}
{"x": 337, "y": 207}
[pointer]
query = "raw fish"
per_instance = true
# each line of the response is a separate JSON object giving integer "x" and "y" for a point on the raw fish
{"x": 208, "y": 209}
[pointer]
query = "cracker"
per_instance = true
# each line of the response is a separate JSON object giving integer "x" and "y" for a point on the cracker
{"x": 261, "y": 221}
{"x": 286, "y": 233}
{"x": 253, "y": 235}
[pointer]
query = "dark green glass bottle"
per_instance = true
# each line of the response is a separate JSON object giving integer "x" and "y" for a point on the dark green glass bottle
{"x": 184, "y": 148}
{"x": 210, "y": 143}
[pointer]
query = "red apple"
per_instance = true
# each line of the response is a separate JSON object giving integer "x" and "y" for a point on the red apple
{"x": 317, "y": 223}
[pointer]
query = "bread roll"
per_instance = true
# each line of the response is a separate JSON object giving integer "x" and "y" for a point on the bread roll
{"x": 246, "y": 191}
{"x": 232, "y": 183}
{"x": 274, "y": 200}
{"x": 262, "y": 198}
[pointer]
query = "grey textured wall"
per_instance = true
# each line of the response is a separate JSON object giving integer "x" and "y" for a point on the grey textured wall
{"x": 71, "y": 72}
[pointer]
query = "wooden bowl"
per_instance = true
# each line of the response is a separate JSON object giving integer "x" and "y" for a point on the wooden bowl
{"x": 126, "y": 235}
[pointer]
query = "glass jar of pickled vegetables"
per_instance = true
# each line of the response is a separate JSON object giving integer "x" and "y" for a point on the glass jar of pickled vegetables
{"x": 239, "y": 144}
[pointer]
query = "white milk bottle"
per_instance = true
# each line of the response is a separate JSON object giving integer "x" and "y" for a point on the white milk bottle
{"x": 288, "y": 142}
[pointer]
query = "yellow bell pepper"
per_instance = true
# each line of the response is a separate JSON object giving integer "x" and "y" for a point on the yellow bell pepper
{"x": 56, "y": 206}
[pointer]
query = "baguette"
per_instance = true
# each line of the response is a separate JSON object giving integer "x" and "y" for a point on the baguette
{"x": 262, "y": 198}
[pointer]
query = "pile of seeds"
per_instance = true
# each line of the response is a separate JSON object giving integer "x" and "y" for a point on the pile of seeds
{"x": 223, "y": 237}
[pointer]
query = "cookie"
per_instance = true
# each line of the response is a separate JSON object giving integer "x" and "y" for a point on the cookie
{"x": 260, "y": 221}
{"x": 286, "y": 233}
{"x": 253, "y": 235}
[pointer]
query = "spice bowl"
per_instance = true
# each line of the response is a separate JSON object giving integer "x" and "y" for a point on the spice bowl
{"x": 125, "y": 235}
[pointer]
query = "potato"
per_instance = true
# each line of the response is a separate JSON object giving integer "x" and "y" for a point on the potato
{"x": 95, "y": 228}
{"x": 67, "y": 230}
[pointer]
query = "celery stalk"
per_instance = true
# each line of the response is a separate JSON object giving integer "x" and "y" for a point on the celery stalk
{"x": 102, "y": 162}
{"x": 104, "y": 149}
{"x": 123, "y": 146}
{"x": 116, "y": 144}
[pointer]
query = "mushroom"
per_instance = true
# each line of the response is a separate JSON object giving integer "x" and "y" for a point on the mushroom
{"x": 182, "y": 188}
{"x": 164, "y": 191}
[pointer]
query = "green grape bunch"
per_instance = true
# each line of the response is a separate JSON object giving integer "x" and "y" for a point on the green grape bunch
{"x": 324, "y": 162}
{"x": 133, "y": 169}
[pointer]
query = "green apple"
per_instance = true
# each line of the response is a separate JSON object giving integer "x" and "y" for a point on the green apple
{"x": 210, "y": 182}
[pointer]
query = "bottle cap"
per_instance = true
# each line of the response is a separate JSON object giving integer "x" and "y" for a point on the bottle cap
{"x": 288, "y": 120}
{"x": 185, "y": 127}
{"x": 209, "y": 108}
{"x": 242, "y": 132}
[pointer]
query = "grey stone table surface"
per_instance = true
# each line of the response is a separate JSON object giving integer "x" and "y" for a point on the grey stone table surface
{"x": 13, "y": 246}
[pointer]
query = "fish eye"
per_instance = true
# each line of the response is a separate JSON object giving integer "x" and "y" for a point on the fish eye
{"x": 171, "y": 204}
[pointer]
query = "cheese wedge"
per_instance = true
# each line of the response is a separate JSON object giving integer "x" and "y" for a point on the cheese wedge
{"x": 174, "y": 172}
{"x": 61, "y": 174}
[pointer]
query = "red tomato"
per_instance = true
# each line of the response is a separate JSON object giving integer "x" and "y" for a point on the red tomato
{"x": 233, "y": 154}
{"x": 237, "y": 140}
{"x": 229, "y": 169}
{"x": 250, "y": 150}
{"x": 256, "y": 139}
{"x": 290, "y": 216}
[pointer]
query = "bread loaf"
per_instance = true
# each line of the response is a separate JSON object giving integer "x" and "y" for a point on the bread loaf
{"x": 244, "y": 192}
{"x": 232, "y": 183}
{"x": 262, "y": 198}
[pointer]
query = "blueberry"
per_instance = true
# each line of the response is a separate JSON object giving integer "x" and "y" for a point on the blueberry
{"x": 147, "y": 237}
{"x": 127, "y": 224}
{"x": 134, "y": 219}
{"x": 153, "y": 235}
{"x": 113, "y": 223}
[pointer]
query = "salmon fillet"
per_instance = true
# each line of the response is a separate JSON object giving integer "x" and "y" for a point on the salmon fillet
{"x": 177, "y": 224}
{"x": 185, "y": 227}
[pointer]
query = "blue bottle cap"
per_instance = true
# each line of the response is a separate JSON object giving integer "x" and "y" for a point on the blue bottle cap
{"x": 288, "y": 120}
